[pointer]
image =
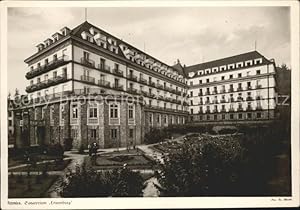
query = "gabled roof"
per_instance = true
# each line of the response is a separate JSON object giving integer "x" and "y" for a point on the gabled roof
{"x": 178, "y": 67}
{"x": 225, "y": 61}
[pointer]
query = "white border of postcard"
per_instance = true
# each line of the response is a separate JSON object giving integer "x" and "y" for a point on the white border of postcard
{"x": 152, "y": 203}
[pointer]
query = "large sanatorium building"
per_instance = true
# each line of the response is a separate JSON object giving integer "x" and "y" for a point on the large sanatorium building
{"x": 87, "y": 85}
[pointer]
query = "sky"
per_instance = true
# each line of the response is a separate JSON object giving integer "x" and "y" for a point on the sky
{"x": 192, "y": 35}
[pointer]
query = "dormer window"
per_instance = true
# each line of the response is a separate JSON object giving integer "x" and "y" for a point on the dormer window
{"x": 248, "y": 63}
{"x": 65, "y": 31}
{"x": 258, "y": 61}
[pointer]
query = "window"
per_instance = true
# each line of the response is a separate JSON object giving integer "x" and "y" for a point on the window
{"x": 191, "y": 94}
{"x": 200, "y": 81}
{"x": 130, "y": 133}
{"x": 86, "y": 55}
{"x": 64, "y": 71}
{"x": 55, "y": 57}
{"x": 158, "y": 118}
{"x": 215, "y": 117}
{"x": 51, "y": 112}
{"x": 117, "y": 68}
{"x": 257, "y": 72}
{"x": 9, "y": 122}
{"x": 258, "y": 115}
{"x": 249, "y": 115}
{"x": 207, "y": 80}
{"x": 231, "y": 116}
{"x": 31, "y": 82}
{"x": 46, "y": 61}
{"x": 223, "y": 77}
{"x": 113, "y": 133}
{"x": 43, "y": 112}
{"x": 38, "y": 80}
{"x": 239, "y": 75}
{"x": 240, "y": 116}
{"x": 74, "y": 111}
{"x": 93, "y": 112}
{"x": 150, "y": 119}
{"x": 54, "y": 74}
{"x": 223, "y": 116}
{"x": 93, "y": 133}
{"x": 114, "y": 111}
{"x": 74, "y": 133}
{"x": 131, "y": 111}
{"x": 231, "y": 76}
{"x": 192, "y": 111}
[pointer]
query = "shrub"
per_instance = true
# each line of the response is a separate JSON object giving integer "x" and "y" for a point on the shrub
{"x": 89, "y": 183}
{"x": 56, "y": 150}
{"x": 156, "y": 135}
{"x": 81, "y": 149}
{"x": 68, "y": 144}
{"x": 121, "y": 158}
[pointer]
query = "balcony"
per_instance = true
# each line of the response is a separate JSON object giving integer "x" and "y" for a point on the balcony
{"x": 223, "y": 110}
{"x": 239, "y": 89}
{"x": 47, "y": 83}
{"x": 207, "y": 111}
{"x": 92, "y": 121}
{"x": 178, "y": 92}
{"x": 249, "y": 88}
{"x": 87, "y": 79}
{"x": 259, "y": 107}
{"x": 249, "y": 108}
{"x": 230, "y": 90}
{"x": 132, "y": 77}
{"x": 88, "y": 62}
{"x": 258, "y": 97}
{"x": 132, "y": 91}
{"x": 207, "y": 102}
{"x": 222, "y": 91}
{"x": 104, "y": 68}
{"x": 240, "y": 98}
{"x": 200, "y": 94}
{"x": 117, "y": 87}
{"x": 201, "y": 103}
{"x": 207, "y": 92}
{"x": 160, "y": 86}
{"x": 144, "y": 93}
{"x": 258, "y": 86}
{"x": 104, "y": 83}
{"x": 231, "y": 100}
{"x": 231, "y": 109}
{"x": 49, "y": 66}
{"x": 215, "y": 101}
{"x": 142, "y": 80}
{"x": 222, "y": 101}
{"x": 249, "y": 98}
{"x": 214, "y": 92}
{"x": 117, "y": 72}
{"x": 240, "y": 109}
{"x": 160, "y": 97}
{"x": 151, "y": 83}
{"x": 215, "y": 111}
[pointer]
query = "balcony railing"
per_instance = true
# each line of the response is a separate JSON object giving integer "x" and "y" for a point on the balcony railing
{"x": 231, "y": 100}
{"x": 240, "y": 109}
{"x": 160, "y": 86}
{"x": 230, "y": 90}
{"x": 207, "y": 102}
{"x": 240, "y": 98}
{"x": 258, "y": 86}
{"x": 200, "y": 94}
{"x": 87, "y": 62}
{"x": 222, "y": 101}
{"x": 215, "y": 101}
{"x": 104, "y": 68}
{"x": 249, "y": 87}
{"x": 132, "y": 77}
{"x": 142, "y": 80}
{"x": 249, "y": 108}
{"x": 152, "y": 83}
{"x": 87, "y": 79}
{"x": 47, "y": 83}
{"x": 104, "y": 83}
{"x": 207, "y": 111}
{"x": 201, "y": 103}
{"x": 258, "y": 97}
{"x": 223, "y": 110}
{"x": 132, "y": 91}
{"x": 239, "y": 89}
{"x": 259, "y": 107}
{"x": 117, "y": 86}
{"x": 117, "y": 72}
{"x": 207, "y": 92}
{"x": 214, "y": 92}
{"x": 222, "y": 91}
{"x": 215, "y": 111}
{"x": 49, "y": 66}
{"x": 249, "y": 98}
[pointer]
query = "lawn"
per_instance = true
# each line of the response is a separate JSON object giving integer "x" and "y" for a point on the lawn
{"x": 166, "y": 147}
{"x": 117, "y": 160}
{"x": 18, "y": 186}
{"x": 52, "y": 166}
{"x": 18, "y": 160}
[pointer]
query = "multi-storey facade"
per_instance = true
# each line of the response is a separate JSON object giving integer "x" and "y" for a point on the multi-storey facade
{"x": 239, "y": 89}
{"x": 87, "y": 85}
